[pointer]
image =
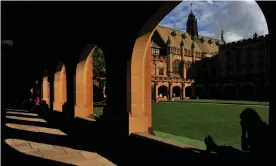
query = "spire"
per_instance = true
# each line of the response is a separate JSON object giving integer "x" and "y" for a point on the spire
{"x": 191, "y": 25}
{"x": 255, "y": 36}
{"x": 191, "y": 7}
{"x": 222, "y": 37}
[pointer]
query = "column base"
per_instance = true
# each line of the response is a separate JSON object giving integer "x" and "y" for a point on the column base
{"x": 45, "y": 101}
{"x": 125, "y": 125}
{"x": 138, "y": 124}
{"x": 57, "y": 107}
{"x": 84, "y": 111}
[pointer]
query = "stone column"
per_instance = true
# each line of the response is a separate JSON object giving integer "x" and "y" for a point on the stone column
{"x": 193, "y": 52}
{"x": 170, "y": 59}
{"x": 84, "y": 84}
{"x": 156, "y": 89}
{"x": 171, "y": 90}
{"x": 183, "y": 91}
{"x": 183, "y": 66}
{"x": 170, "y": 65}
{"x": 193, "y": 91}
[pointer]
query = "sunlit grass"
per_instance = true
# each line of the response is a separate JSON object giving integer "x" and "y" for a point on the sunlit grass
{"x": 195, "y": 121}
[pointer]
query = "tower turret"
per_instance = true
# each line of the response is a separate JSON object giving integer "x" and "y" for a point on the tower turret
{"x": 191, "y": 25}
{"x": 222, "y": 37}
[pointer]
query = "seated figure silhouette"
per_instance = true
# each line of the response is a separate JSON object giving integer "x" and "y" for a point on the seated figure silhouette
{"x": 255, "y": 139}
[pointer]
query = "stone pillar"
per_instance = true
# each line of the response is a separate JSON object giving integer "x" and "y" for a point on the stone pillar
{"x": 171, "y": 90}
{"x": 170, "y": 65}
{"x": 193, "y": 91}
{"x": 183, "y": 66}
{"x": 168, "y": 92}
{"x": 193, "y": 68}
{"x": 46, "y": 91}
{"x": 183, "y": 91}
{"x": 170, "y": 58}
{"x": 156, "y": 89}
{"x": 84, "y": 85}
{"x": 193, "y": 52}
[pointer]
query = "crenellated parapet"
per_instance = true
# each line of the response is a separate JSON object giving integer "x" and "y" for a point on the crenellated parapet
{"x": 246, "y": 41}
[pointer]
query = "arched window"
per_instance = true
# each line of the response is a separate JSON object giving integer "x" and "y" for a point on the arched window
{"x": 176, "y": 67}
{"x": 188, "y": 64}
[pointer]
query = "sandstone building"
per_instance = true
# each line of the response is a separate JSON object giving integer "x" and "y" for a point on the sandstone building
{"x": 190, "y": 65}
{"x": 240, "y": 71}
{"x": 173, "y": 55}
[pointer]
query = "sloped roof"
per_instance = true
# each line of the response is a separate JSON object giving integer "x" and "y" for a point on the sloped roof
{"x": 154, "y": 45}
{"x": 165, "y": 32}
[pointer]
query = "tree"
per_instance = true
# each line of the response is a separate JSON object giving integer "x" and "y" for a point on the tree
{"x": 99, "y": 71}
{"x": 99, "y": 66}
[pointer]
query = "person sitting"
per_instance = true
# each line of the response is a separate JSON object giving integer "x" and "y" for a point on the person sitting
{"x": 255, "y": 139}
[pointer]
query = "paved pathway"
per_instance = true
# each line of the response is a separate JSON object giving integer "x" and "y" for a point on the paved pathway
{"x": 43, "y": 150}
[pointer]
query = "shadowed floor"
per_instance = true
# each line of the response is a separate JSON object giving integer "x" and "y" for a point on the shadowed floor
{"x": 42, "y": 142}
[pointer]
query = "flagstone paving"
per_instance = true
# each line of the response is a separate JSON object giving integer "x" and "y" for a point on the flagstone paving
{"x": 48, "y": 151}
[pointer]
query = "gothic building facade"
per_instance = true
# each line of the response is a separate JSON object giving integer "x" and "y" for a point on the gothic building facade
{"x": 239, "y": 71}
{"x": 189, "y": 65}
{"x": 174, "y": 54}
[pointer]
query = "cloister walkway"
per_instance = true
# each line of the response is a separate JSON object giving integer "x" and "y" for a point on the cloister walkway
{"x": 30, "y": 139}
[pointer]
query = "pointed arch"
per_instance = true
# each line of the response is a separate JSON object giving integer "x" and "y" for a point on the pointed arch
{"x": 177, "y": 91}
{"x": 188, "y": 91}
{"x": 247, "y": 91}
{"x": 176, "y": 67}
{"x": 140, "y": 113}
{"x": 60, "y": 87}
{"x": 84, "y": 83}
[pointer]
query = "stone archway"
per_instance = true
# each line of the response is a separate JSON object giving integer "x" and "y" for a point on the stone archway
{"x": 84, "y": 83}
{"x": 163, "y": 90}
{"x": 229, "y": 92}
{"x": 199, "y": 92}
{"x": 177, "y": 91}
{"x": 46, "y": 89}
{"x": 140, "y": 113}
{"x": 247, "y": 92}
{"x": 188, "y": 91}
{"x": 140, "y": 105}
{"x": 60, "y": 87}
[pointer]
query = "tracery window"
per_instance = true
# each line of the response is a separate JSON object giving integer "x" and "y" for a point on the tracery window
{"x": 155, "y": 51}
{"x": 176, "y": 67}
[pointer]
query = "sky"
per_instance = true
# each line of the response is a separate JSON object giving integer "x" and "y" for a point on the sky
{"x": 238, "y": 19}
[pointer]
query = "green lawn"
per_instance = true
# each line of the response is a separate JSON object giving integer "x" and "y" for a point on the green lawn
{"x": 195, "y": 121}
{"x": 98, "y": 111}
{"x": 224, "y": 102}
{"x": 188, "y": 122}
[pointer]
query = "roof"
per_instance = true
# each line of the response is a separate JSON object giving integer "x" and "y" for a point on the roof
{"x": 154, "y": 45}
{"x": 165, "y": 32}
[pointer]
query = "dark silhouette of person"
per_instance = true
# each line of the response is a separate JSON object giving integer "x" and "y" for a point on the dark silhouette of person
{"x": 255, "y": 139}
